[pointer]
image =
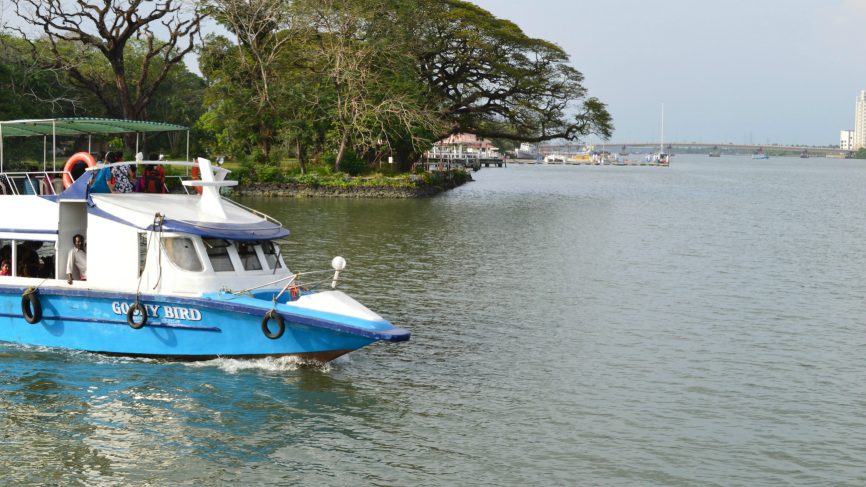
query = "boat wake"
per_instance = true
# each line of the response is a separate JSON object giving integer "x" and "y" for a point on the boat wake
{"x": 268, "y": 364}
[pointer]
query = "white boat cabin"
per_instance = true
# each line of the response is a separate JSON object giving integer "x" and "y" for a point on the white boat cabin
{"x": 180, "y": 244}
{"x": 134, "y": 241}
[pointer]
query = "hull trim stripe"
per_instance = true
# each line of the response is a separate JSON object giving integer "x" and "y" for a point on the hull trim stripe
{"x": 120, "y": 322}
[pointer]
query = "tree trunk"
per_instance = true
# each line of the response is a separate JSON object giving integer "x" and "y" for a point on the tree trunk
{"x": 302, "y": 156}
{"x": 265, "y": 147}
{"x": 128, "y": 111}
{"x": 402, "y": 158}
{"x": 342, "y": 151}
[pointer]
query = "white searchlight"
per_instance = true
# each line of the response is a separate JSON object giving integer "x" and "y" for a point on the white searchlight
{"x": 338, "y": 263}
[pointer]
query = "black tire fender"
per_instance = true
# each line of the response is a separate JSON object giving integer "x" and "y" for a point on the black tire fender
{"x": 130, "y": 316}
{"x": 31, "y": 307}
{"x": 281, "y": 326}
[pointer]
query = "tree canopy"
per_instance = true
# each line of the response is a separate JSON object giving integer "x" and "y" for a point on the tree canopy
{"x": 109, "y": 47}
{"x": 495, "y": 81}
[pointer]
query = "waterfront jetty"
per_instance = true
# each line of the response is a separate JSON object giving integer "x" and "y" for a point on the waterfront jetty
{"x": 466, "y": 151}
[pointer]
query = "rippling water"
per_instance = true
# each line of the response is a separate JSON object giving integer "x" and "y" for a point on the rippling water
{"x": 574, "y": 325}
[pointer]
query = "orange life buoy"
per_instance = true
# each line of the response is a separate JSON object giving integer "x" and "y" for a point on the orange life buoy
{"x": 71, "y": 162}
{"x": 196, "y": 175}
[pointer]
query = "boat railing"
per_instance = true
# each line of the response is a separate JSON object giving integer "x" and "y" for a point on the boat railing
{"x": 50, "y": 183}
{"x": 37, "y": 183}
{"x": 265, "y": 216}
{"x": 180, "y": 180}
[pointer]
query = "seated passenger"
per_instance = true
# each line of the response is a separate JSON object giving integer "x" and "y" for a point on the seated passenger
{"x": 102, "y": 179}
{"x": 47, "y": 267}
{"x": 5, "y": 270}
{"x": 152, "y": 181}
{"x": 28, "y": 259}
{"x": 122, "y": 175}
{"x": 133, "y": 176}
{"x": 78, "y": 169}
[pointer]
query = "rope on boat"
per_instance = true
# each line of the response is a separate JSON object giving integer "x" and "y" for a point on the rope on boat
{"x": 155, "y": 239}
{"x": 292, "y": 285}
{"x": 32, "y": 289}
{"x": 158, "y": 220}
{"x": 290, "y": 278}
{"x": 287, "y": 286}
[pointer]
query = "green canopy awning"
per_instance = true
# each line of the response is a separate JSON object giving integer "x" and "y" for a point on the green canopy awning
{"x": 82, "y": 126}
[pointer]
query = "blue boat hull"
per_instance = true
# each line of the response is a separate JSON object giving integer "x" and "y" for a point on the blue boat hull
{"x": 184, "y": 328}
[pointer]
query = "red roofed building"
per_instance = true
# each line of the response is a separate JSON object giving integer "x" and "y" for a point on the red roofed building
{"x": 466, "y": 145}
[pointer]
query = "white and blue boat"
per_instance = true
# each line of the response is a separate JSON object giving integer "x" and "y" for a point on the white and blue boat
{"x": 760, "y": 154}
{"x": 190, "y": 276}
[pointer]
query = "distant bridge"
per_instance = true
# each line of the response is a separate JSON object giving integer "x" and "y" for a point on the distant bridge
{"x": 743, "y": 148}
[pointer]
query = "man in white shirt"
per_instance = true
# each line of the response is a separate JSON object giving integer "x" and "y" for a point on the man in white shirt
{"x": 76, "y": 260}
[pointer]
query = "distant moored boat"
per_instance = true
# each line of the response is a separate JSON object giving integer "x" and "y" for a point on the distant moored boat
{"x": 759, "y": 154}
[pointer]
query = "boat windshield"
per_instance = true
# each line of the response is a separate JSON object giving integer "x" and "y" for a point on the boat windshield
{"x": 218, "y": 253}
{"x": 272, "y": 255}
{"x": 249, "y": 257}
{"x": 230, "y": 255}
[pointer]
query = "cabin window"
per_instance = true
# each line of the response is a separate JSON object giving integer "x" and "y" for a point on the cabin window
{"x": 41, "y": 261}
{"x": 32, "y": 258}
{"x": 181, "y": 252}
{"x": 249, "y": 257}
{"x": 272, "y": 254}
{"x": 218, "y": 253}
{"x": 7, "y": 265}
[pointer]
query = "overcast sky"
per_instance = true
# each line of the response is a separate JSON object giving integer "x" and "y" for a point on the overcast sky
{"x": 760, "y": 71}
{"x": 765, "y": 71}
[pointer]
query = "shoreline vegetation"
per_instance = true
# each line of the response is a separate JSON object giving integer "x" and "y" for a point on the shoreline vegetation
{"x": 345, "y": 186}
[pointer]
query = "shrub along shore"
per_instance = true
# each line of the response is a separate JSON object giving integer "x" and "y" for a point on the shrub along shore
{"x": 344, "y": 186}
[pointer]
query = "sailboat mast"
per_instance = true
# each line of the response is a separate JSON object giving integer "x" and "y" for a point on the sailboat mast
{"x": 662, "y": 146}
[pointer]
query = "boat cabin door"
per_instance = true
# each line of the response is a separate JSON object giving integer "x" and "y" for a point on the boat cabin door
{"x": 73, "y": 221}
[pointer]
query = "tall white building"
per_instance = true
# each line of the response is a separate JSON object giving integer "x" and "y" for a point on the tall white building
{"x": 846, "y": 140}
{"x": 860, "y": 121}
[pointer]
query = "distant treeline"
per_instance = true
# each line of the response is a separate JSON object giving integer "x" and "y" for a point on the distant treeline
{"x": 345, "y": 83}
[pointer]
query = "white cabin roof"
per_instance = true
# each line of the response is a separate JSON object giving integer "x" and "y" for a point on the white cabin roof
{"x": 186, "y": 214}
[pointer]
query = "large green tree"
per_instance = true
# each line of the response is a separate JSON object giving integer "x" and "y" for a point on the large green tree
{"x": 495, "y": 81}
{"x": 264, "y": 92}
{"x": 376, "y": 99}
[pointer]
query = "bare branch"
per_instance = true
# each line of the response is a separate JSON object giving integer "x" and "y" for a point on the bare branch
{"x": 108, "y": 26}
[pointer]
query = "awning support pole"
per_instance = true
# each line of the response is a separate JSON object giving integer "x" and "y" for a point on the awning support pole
{"x": 53, "y": 146}
{"x": 187, "y": 151}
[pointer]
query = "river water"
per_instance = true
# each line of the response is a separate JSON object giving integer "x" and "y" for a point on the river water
{"x": 571, "y": 325}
